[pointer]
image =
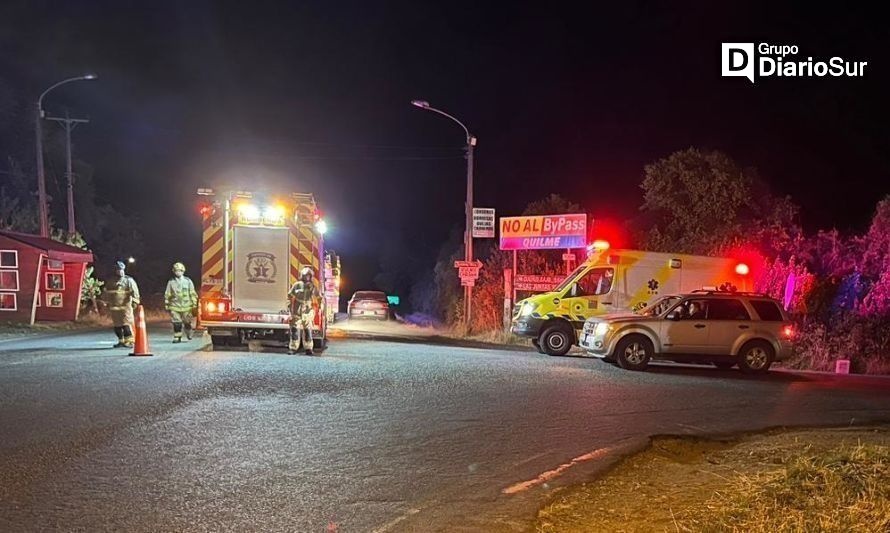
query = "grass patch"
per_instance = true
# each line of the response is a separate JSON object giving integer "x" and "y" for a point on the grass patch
{"x": 795, "y": 481}
{"x": 843, "y": 488}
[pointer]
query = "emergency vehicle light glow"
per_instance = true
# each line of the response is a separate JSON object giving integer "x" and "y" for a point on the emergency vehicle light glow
{"x": 599, "y": 245}
{"x": 248, "y": 211}
{"x": 321, "y": 226}
{"x": 742, "y": 269}
{"x": 214, "y": 307}
{"x": 273, "y": 213}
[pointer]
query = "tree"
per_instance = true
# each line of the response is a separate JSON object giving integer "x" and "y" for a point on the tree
{"x": 551, "y": 205}
{"x": 91, "y": 289}
{"x": 701, "y": 201}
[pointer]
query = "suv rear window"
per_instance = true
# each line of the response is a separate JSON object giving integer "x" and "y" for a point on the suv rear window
{"x": 725, "y": 309}
{"x": 767, "y": 310}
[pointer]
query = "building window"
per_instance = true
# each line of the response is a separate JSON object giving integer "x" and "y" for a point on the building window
{"x": 55, "y": 281}
{"x": 52, "y": 264}
{"x": 8, "y": 301}
{"x": 54, "y": 299}
{"x": 9, "y": 259}
{"x": 9, "y": 280}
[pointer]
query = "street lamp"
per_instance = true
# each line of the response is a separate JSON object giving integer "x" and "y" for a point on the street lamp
{"x": 468, "y": 232}
{"x": 41, "y": 178}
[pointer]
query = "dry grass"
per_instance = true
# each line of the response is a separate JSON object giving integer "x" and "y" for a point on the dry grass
{"x": 843, "y": 488}
{"x": 808, "y": 480}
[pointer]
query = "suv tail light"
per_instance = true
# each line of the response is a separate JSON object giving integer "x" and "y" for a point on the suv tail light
{"x": 788, "y": 331}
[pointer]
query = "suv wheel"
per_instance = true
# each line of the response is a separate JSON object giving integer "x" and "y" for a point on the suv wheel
{"x": 537, "y": 344}
{"x": 557, "y": 340}
{"x": 634, "y": 352}
{"x": 756, "y": 357}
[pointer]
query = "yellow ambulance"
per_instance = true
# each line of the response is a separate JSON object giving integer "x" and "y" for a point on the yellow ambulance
{"x": 618, "y": 281}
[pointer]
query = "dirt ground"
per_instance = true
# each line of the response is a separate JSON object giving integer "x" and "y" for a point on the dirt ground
{"x": 796, "y": 480}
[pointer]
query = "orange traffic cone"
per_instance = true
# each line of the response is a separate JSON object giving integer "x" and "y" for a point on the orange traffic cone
{"x": 141, "y": 344}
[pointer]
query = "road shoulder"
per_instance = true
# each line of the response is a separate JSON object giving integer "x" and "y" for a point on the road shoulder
{"x": 773, "y": 481}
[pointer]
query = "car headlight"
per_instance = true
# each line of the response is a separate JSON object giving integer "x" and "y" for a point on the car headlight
{"x": 527, "y": 309}
{"x": 601, "y": 329}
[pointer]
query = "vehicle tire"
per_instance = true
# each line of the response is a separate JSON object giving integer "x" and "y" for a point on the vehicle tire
{"x": 724, "y": 365}
{"x": 755, "y": 357}
{"x": 634, "y": 352}
{"x": 218, "y": 341}
{"x": 557, "y": 339}
{"x": 537, "y": 344}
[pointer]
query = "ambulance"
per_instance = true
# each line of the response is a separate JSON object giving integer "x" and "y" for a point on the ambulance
{"x": 254, "y": 246}
{"x": 613, "y": 281}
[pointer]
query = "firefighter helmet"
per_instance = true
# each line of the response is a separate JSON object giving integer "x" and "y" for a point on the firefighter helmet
{"x": 306, "y": 271}
{"x": 120, "y": 265}
{"x": 178, "y": 266}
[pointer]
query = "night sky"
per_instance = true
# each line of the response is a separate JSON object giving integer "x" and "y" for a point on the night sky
{"x": 314, "y": 96}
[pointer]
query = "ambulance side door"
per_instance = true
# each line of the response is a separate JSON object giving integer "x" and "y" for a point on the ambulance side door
{"x": 598, "y": 289}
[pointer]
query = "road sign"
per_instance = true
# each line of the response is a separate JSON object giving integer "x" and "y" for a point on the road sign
{"x": 468, "y": 272}
{"x": 531, "y": 283}
{"x": 544, "y": 232}
{"x": 568, "y": 257}
{"x": 483, "y": 223}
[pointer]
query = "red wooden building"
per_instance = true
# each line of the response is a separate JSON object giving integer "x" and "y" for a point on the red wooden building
{"x": 40, "y": 279}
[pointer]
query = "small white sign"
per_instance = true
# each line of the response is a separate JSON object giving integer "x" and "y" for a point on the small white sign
{"x": 483, "y": 223}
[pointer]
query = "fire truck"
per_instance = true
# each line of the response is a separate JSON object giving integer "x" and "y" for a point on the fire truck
{"x": 254, "y": 246}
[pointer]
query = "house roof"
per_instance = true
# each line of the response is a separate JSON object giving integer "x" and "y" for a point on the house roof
{"x": 52, "y": 249}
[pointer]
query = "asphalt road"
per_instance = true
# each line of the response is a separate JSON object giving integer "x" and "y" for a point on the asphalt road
{"x": 371, "y": 436}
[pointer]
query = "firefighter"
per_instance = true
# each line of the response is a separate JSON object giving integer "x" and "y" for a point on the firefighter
{"x": 122, "y": 295}
{"x": 181, "y": 301}
{"x": 302, "y": 297}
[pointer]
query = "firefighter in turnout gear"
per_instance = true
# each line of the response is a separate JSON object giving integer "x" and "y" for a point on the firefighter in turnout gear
{"x": 122, "y": 296}
{"x": 181, "y": 301}
{"x": 303, "y": 295}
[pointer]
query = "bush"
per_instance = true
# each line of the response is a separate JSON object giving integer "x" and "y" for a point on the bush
{"x": 864, "y": 340}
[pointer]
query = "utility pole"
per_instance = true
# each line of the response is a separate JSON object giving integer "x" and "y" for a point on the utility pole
{"x": 41, "y": 177}
{"x": 468, "y": 235}
{"x": 69, "y": 124}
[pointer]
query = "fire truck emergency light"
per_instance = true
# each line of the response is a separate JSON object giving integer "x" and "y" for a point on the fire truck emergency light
{"x": 248, "y": 212}
{"x": 321, "y": 226}
{"x": 273, "y": 214}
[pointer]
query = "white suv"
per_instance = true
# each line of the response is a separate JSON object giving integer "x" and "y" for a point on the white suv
{"x": 726, "y": 329}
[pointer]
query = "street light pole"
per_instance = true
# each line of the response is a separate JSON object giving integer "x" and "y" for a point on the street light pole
{"x": 41, "y": 176}
{"x": 468, "y": 207}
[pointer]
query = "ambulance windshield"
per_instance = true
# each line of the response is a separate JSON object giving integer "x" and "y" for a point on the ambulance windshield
{"x": 569, "y": 279}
